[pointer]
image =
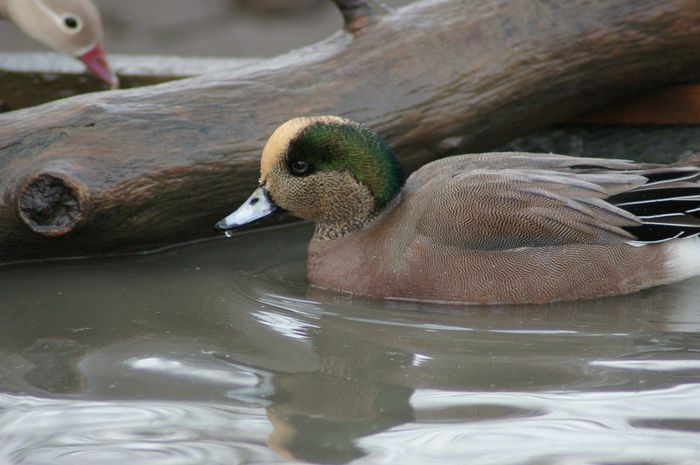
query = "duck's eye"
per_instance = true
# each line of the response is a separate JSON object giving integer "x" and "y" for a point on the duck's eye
{"x": 299, "y": 167}
{"x": 71, "y": 22}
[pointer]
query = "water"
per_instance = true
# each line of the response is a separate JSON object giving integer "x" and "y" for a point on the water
{"x": 219, "y": 353}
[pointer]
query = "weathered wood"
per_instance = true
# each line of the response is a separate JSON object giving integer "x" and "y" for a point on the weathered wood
{"x": 32, "y": 78}
{"x": 142, "y": 168}
{"x": 673, "y": 105}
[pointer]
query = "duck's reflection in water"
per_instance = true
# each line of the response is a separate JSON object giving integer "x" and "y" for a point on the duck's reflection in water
{"x": 209, "y": 365}
{"x": 371, "y": 365}
{"x": 318, "y": 415}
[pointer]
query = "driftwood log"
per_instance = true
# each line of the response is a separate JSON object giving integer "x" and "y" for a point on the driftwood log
{"x": 143, "y": 168}
{"x": 32, "y": 78}
{"x": 28, "y": 79}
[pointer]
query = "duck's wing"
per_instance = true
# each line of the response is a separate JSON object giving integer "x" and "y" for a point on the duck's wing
{"x": 521, "y": 160}
{"x": 583, "y": 202}
{"x": 667, "y": 205}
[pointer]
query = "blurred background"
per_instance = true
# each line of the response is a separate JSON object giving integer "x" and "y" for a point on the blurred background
{"x": 218, "y": 28}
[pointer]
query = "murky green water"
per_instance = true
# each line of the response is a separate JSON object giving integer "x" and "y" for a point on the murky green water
{"x": 218, "y": 353}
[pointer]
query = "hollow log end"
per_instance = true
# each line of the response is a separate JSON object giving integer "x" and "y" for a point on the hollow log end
{"x": 357, "y": 14}
{"x": 52, "y": 205}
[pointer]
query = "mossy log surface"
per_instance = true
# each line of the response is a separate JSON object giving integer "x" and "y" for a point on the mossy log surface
{"x": 143, "y": 168}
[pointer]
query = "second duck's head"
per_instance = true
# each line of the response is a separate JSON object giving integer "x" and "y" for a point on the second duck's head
{"x": 330, "y": 170}
{"x": 71, "y": 26}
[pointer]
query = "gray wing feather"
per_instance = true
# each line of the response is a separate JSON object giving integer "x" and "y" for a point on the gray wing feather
{"x": 504, "y": 208}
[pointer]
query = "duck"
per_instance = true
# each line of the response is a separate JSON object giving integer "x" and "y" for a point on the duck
{"x": 475, "y": 229}
{"x": 70, "y": 26}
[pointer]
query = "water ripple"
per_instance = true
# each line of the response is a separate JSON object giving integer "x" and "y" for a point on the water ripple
{"x": 288, "y": 326}
{"x": 184, "y": 369}
{"x": 649, "y": 365}
{"x": 533, "y": 441}
{"x": 34, "y": 430}
{"x": 655, "y": 426}
{"x": 682, "y": 399}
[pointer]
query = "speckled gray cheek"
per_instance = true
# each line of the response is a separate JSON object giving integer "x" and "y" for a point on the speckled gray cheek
{"x": 290, "y": 193}
{"x": 334, "y": 200}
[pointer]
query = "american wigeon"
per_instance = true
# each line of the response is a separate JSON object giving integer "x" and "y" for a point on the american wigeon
{"x": 488, "y": 228}
{"x": 70, "y": 26}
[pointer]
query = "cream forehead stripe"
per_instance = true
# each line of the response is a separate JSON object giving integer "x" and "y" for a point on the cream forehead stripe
{"x": 276, "y": 145}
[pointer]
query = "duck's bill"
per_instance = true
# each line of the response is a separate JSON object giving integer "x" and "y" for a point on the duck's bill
{"x": 256, "y": 207}
{"x": 95, "y": 60}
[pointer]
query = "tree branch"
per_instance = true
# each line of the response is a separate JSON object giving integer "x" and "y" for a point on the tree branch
{"x": 357, "y": 14}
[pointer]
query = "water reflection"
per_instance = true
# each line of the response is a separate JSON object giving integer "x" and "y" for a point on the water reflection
{"x": 38, "y": 430}
{"x": 219, "y": 353}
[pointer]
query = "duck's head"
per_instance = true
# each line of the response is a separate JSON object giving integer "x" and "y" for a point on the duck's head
{"x": 332, "y": 171}
{"x": 70, "y": 26}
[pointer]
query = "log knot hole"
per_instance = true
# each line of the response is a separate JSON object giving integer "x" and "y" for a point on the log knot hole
{"x": 52, "y": 205}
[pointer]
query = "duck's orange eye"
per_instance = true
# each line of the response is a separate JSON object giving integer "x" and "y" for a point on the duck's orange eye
{"x": 299, "y": 167}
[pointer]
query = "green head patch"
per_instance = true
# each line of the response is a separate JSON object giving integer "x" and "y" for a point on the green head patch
{"x": 343, "y": 145}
